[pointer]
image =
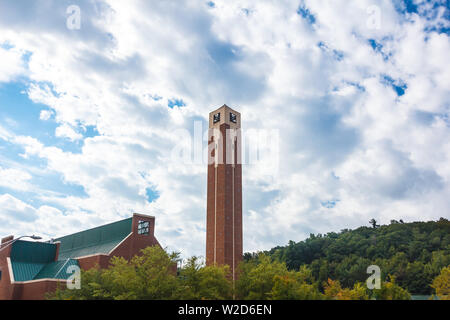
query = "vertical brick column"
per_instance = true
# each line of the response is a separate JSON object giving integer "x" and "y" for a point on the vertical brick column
{"x": 224, "y": 196}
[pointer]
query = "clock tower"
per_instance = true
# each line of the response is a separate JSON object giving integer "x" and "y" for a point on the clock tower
{"x": 224, "y": 196}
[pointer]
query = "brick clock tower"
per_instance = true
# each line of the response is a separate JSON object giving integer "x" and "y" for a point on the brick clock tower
{"x": 224, "y": 203}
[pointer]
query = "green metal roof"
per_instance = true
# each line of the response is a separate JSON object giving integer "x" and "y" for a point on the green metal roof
{"x": 26, "y": 271}
{"x": 56, "y": 270}
{"x": 36, "y": 260}
{"x": 33, "y": 252}
{"x": 100, "y": 240}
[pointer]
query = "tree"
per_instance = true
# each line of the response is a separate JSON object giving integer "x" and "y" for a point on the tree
{"x": 292, "y": 287}
{"x": 92, "y": 285}
{"x": 266, "y": 279}
{"x": 391, "y": 291}
{"x": 374, "y": 224}
{"x": 334, "y": 291}
{"x": 441, "y": 284}
{"x": 256, "y": 280}
{"x": 413, "y": 252}
{"x": 417, "y": 278}
{"x": 198, "y": 282}
{"x": 332, "y": 288}
{"x": 150, "y": 275}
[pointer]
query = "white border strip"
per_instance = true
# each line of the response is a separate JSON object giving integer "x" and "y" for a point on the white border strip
{"x": 88, "y": 256}
{"x": 10, "y": 269}
{"x": 39, "y": 280}
{"x": 60, "y": 269}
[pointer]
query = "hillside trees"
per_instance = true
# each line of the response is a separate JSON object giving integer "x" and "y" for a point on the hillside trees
{"x": 441, "y": 284}
{"x": 414, "y": 253}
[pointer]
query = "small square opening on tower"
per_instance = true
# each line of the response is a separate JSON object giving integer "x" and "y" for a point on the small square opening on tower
{"x": 216, "y": 117}
{"x": 143, "y": 227}
{"x": 233, "y": 117}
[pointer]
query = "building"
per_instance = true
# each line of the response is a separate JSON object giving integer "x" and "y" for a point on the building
{"x": 30, "y": 269}
{"x": 224, "y": 195}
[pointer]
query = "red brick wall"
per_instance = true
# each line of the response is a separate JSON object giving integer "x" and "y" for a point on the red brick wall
{"x": 90, "y": 262}
{"x": 6, "y": 290}
{"x": 238, "y": 238}
{"x": 220, "y": 219}
{"x": 35, "y": 290}
{"x": 210, "y": 206}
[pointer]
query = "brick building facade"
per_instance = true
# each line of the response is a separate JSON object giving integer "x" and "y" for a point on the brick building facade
{"x": 30, "y": 269}
{"x": 224, "y": 194}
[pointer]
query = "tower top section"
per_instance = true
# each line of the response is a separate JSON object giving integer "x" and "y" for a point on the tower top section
{"x": 225, "y": 115}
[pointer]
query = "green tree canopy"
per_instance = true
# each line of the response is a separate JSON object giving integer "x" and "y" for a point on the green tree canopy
{"x": 441, "y": 284}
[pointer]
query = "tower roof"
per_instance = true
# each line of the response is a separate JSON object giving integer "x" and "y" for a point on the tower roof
{"x": 225, "y": 115}
{"x": 226, "y": 107}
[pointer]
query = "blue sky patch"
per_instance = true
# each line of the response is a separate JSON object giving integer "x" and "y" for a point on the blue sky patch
{"x": 222, "y": 52}
{"x": 405, "y": 6}
{"x": 329, "y": 204}
{"x": 336, "y": 54}
{"x": 176, "y": 103}
{"x": 151, "y": 194}
{"x": 410, "y": 6}
{"x": 246, "y": 11}
{"x": 439, "y": 29}
{"x": 22, "y": 116}
{"x": 357, "y": 86}
{"x": 6, "y": 45}
{"x": 399, "y": 85}
{"x": 378, "y": 48}
{"x": 350, "y": 83}
{"x": 90, "y": 132}
{"x": 54, "y": 182}
{"x": 306, "y": 14}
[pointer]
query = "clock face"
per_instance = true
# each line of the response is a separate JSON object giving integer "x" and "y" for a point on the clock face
{"x": 233, "y": 117}
{"x": 216, "y": 117}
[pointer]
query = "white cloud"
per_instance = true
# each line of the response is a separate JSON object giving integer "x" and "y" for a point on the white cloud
{"x": 11, "y": 64}
{"x": 45, "y": 115}
{"x": 15, "y": 209}
{"x": 346, "y": 137}
{"x": 66, "y": 131}
{"x": 32, "y": 146}
{"x": 14, "y": 179}
{"x": 4, "y": 134}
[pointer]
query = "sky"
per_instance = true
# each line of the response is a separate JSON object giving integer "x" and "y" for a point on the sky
{"x": 97, "y": 96}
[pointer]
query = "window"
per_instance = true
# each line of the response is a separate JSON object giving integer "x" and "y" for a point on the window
{"x": 233, "y": 117}
{"x": 143, "y": 227}
{"x": 216, "y": 117}
{"x": 0, "y": 275}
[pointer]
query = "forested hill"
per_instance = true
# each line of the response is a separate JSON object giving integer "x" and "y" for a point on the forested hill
{"x": 412, "y": 252}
